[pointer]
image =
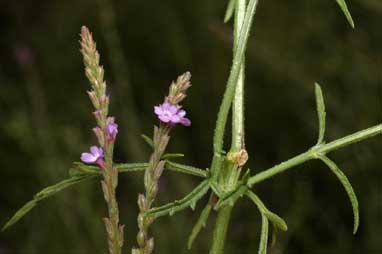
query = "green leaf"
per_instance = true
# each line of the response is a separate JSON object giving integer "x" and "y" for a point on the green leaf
{"x": 348, "y": 187}
{"x": 186, "y": 169}
{"x": 201, "y": 223}
{"x": 172, "y": 156}
{"x": 81, "y": 169}
{"x": 264, "y": 235}
{"x": 276, "y": 220}
{"x": 148, "y": 140}
{"x": 321, "y": 113}
{"x": 346, "y": 11}
{"x": 229, "y": 11}
{"x": 43, "y": 194}
{"x": 131, "y": 167}
{"x": 178, "y": 205}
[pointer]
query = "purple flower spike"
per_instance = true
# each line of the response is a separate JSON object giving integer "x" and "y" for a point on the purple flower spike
{"x": 171, "y": 114}
{"x": 95, "y": 156}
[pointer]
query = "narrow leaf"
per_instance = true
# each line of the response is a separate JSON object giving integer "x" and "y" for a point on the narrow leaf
{"x": 346, "y": 11}
{"x": 276, "y": 220}
{"x": 172, "y": 156}
{"x": 148, "y": 140}
{"x": 229, "y": 11}
{"x": 201, "y": 223}
{"x": 348, "y": 187}
{"x": 321, "y": 113}
{"x": 186, "y": 169}
{"x": 264, "y": 235}
{"x": 181, "y": 204}
{"x": 43, "y": 194}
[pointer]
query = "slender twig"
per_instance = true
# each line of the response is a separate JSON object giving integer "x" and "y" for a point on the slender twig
{"x": 314, "y": 152}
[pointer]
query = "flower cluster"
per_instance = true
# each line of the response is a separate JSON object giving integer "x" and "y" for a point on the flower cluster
{"x": 170, "y": 112}
{"x": 107, "y": 129}
{"x": 96, "y": 154}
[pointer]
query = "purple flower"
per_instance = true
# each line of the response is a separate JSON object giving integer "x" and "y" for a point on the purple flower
{"x": 95, "y": 156}
{"x": 171, "y": 114}
{"x": 112, "y": 131}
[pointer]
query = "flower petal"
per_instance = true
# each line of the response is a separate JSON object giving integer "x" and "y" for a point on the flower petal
{"x": 185, "y": 121}
{"x": 88, "y": 158}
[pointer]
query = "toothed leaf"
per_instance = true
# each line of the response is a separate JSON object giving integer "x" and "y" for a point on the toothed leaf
{"x": 179, "y": 205}
{"x": 348, "y": 187}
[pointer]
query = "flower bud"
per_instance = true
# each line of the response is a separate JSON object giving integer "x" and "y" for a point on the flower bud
{"x": 141, "y": 238}
{"x": 142, "y": 202}
{"x": 99, "y": 134}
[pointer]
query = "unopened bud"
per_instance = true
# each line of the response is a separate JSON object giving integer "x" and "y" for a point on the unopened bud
{"x": 94, "y": 99}
{"x": 154, "y": 190}
{"x": 142, "y": 202}
{"x": 141, "y": 238}
{"x": 141, "y": 221}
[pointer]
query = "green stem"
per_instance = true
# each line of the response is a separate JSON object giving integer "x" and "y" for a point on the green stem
{"x": 231, "y": 86}
{"x": 220, "y": 231}
{"x": 235, "y": 88}
{"x": 238, "y": 102}
{"x": 315, "y": 152}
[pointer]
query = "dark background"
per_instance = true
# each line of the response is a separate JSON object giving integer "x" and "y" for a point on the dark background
{"x": 46, "y": 117}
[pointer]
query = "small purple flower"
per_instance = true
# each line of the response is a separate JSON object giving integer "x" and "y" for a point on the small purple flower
{"x": 112, "y": 131}
{"x": 171, "y": 114}
{"x": 95, "y": 156}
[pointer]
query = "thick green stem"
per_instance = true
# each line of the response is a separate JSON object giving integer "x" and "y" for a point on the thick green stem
{"x": 231, "y": 86}
{"x": 314, "y": 152}
{"x": 220, "y": 231}
{"x": 238, "y": 102}
{"x": 235, "y": 88}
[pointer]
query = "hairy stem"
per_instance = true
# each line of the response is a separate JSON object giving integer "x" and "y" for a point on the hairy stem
{"x": 238, "y": 139}
{"x": 220, "y": 231}
{"x": 230, "y": 90}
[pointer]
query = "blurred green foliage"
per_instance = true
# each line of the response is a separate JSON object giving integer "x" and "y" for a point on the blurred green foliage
{"x": 46, "y": 119}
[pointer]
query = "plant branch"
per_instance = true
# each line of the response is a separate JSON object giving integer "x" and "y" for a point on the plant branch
{"x": 314, "y": 152}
